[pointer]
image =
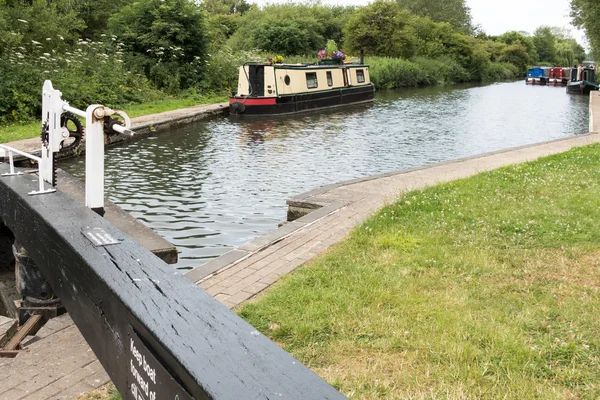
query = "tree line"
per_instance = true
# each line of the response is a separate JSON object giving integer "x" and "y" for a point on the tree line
{"x": 122, "y": 51}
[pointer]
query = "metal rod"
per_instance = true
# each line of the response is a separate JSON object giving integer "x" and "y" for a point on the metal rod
{"x": 24, "y": 154}
{"x": 10, "y": 160}
{"x": 40, "y": 178}
{"x": 74, "y": 110}
{"x": 122, "y": 129}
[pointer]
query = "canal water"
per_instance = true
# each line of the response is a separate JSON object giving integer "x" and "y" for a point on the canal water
{"x": 216, "y": 184}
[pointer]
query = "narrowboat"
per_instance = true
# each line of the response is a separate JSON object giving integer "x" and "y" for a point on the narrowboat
{"x": 277, "y": 88}
{"x": 535, "y": 76}
{"x": 583, "y": 80}
{"x": 559, "y": 76}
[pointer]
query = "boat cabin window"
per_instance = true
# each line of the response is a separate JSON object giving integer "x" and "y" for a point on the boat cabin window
{"x": 329, "y": 79}
{"x": 311, "y": 80}
{"x": 286, "y": 80}
{"x": 360, "y": 76}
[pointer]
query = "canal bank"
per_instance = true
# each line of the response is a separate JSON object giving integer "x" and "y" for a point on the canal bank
{"x": 595, "y": 112}
{"x": 141, "y": 126}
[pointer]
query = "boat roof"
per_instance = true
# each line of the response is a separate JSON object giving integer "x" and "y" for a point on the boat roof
{"x": 307, "y": 66}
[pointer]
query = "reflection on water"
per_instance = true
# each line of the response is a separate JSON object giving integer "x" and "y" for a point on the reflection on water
{"x": 217, "y": 184}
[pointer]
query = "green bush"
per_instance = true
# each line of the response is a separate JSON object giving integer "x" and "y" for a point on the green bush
{"x": 92, "y": 72}
{"x": 222, "y": 69}
{"x": 501, "y": 71}
{"x": 166, "y": 38}
{"x": 391, "y": 73}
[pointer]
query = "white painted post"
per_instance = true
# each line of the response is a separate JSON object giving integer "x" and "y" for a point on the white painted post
{"x": 46, "y": 164}
{"x": 52, "y": 110}
{"x": 94, "y": 158}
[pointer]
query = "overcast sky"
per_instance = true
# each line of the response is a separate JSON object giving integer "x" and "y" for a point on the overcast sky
{"x": 499, "y": 16}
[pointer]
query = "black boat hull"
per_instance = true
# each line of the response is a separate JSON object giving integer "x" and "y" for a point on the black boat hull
{"x": 302, "y": 102}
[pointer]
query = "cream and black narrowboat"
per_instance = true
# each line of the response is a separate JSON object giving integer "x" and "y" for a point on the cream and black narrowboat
{"x": 265, "y": 89}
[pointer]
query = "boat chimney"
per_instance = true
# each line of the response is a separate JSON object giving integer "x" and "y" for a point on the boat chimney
{"x": 362, "y": 57}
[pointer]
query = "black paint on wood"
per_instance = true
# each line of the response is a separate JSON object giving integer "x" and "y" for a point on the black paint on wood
{"x": 208, "y": 350}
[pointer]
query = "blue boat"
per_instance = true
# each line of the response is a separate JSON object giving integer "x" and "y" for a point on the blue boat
{"x": 536, "y": 76}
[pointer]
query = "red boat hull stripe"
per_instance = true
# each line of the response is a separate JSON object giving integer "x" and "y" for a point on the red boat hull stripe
{"x": 254, "y": 101}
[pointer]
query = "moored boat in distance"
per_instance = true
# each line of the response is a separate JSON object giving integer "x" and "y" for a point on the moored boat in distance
{"x": 559, "y": 76}
{"x": 583, "y": 80}
{"x": 277, "y": 88}
{"x": 535, "y": 76}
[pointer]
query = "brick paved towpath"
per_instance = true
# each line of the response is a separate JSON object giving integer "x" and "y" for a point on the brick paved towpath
{"x": 60, "y": 365}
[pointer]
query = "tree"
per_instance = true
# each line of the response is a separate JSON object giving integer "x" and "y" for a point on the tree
{"x": 545, "y": 43}
{"x": 455, "y": 12}
{"x": 224, "y": 7}
{"x": 290, "y": 28}
{"x": 514, "y": 38}
{"x": 286, "y": 37}
{"x": 586, "y": 14}
{"x": 517, "y": 55}
{"x": 381, "y": 28}
{"x": 96, "y": 13}
{"x": 165, "y": 38}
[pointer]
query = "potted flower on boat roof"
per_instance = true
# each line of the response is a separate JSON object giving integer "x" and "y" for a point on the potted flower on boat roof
{"x": 331, "y": 55}
{"x": 276, "y": 59}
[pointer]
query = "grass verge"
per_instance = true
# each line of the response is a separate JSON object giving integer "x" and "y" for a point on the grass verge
{"x": 10, "y": 133}
{"x": 486, "y": 287}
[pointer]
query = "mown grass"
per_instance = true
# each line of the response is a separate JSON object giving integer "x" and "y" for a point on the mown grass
{"x": 10, "y": 133}
{"x": 486, "y": 287}
{"x": 106, "y": 392}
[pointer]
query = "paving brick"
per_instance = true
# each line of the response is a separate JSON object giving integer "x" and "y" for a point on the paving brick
{"x": 270, "y": 279}
{"x": 222, "y": 297}
{"x": 239, "y": 297}
{"x": 256, "y": 287}
{"x": 72, "y": 392}
{"x": 216, "y": 289}
{"x": 97, "y": 379}
{"x": 13, "y": 394}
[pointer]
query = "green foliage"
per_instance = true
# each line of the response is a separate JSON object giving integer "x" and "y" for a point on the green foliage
{"x": 454, "y": 12}
{"x": 392, "y": 73}
{"x": 545, "y": 43}
{"x": 287, "y": 37}
{"x": 381, "y": 28}
{"x": 165, "y": 39}
{"x": 92, "y": 72}
{"x": 226, "y": 7}
{"x": 517, "y": 55}
{"x": 95, "y": 14}
{"x": 516, "y": 38}
{"x": 222, "y": 69}
{"x": 289, "y": 28}
{"x": 501, "y": 71}
{"x": 46, "y": 25}
{"x": 586, "y": 15}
